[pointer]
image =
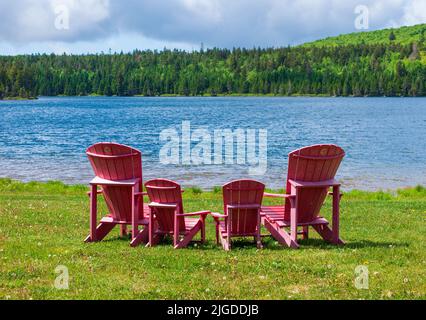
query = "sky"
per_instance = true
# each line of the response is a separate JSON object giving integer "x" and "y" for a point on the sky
{"x": 93, "y": 26}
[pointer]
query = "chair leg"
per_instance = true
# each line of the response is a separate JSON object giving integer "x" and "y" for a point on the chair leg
{"x": 189, "y": 236}
{"x": 306, "y": 233}
{"x": 228, "y": 245}
{"x": 336, "y": 215}
{"x": 135, "y": 227}
{"x": 225, "y": 241}
{"x": 203, "y": 229}
{"x": 259, "y": 244}
{"x": 328, "y": 235}
{"x": 151, "y": 231}
{"x": 293, "y": 221}
{"x": 332, "y": 235}
{"x": 100, "y": 233}
{"x": 97, "y": 233}
{"x": 93, "y": 211}
{"x": 141, "y": 237}
{"x": 258, "y": 235}
{"x": 280, "y": 235}
{"x": 176, "y": 231}
{"x": 217, "y": 234}
{"x": 123, "y": 231}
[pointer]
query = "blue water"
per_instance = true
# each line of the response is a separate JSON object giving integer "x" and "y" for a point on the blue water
{"x": 384, "y": 138}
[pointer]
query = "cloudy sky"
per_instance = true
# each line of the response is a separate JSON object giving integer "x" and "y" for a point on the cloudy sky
{"x": 81, "y": 26}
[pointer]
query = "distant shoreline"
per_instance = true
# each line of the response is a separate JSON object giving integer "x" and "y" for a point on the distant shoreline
{"x": 18, "y": 98}
{"x": 208, "y": 96}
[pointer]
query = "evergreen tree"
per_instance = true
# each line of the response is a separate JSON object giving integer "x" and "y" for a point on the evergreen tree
{"x": 347, "y": 69}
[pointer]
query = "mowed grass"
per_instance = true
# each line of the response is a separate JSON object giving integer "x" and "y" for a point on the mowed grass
{"x": 42, "y": 226}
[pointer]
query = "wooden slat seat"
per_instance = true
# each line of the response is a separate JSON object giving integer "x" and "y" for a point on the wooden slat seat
{"x": 276, "y": 214}
{"x": 318, "y": 221}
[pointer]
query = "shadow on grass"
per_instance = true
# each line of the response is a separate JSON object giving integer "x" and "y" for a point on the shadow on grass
{"x": 167, "y": 241}
{"x": 270, "y": 244}
{"x": 117, "y": 238}
{"x": 350, "y": 245}
{"x": 372, "y": 244}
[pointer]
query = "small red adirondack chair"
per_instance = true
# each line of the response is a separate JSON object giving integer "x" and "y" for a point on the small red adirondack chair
{"x": 242, "y": 201}
{"x": 167, "y": 216}
{"x": 311, "y": 173}
{"x": 118, "y": 171}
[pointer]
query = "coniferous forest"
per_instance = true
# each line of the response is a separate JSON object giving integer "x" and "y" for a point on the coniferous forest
{"x": 381, "y": 63}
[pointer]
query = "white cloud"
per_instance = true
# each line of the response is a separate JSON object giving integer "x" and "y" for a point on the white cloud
{"x": 221, "y": 23}
{"x": 414, "y": 12}
{"x": 34, "y": 20}
{"x": 204, "y": 9}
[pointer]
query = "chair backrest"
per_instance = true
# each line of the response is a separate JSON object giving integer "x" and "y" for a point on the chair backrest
{"x": 117, "y": 162}
{"x": 243, "y": 192}
{"x": 312, "y": 164}
{"x": 164, "y": 191}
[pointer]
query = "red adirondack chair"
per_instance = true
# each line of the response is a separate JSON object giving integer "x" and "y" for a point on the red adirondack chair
{"x": 311, "y": 173}
{"x": 242, "y": 202}
{"x": 167, "y": 216}
{"x": 118, "y": 171}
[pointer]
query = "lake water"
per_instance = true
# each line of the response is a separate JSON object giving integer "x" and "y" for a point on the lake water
{"x": 384, "y": 138}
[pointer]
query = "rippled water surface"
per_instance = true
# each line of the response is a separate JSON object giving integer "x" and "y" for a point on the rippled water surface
{"x": 384, "y": 138}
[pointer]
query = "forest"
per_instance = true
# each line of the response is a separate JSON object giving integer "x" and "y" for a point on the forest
{"x": 380, "y": 63}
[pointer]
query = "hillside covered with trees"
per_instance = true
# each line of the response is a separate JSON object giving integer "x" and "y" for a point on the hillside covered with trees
{"x": 380, "y": 63}
{"x": 403, "y": 35}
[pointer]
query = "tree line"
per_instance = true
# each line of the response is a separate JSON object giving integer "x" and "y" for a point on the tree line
{"x": 392, "y": 69}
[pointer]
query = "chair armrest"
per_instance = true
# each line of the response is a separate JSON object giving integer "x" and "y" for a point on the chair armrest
{"x": 319, "y": 184}
{"x": 163, "y": 205}
{"x": 115, "y": 183}
{"x": 141, "y": 194}
{"x": 274, "y": 195}
{"x": 194, "y": 214}
{"x": 217, "y": 216}
{"x": 243, "y": 206}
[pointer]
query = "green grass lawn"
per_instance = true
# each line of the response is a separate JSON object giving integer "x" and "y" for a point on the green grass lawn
{"x": 43, "y": 226}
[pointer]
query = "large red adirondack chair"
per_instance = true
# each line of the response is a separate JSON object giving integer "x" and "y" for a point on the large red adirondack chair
{"x": 311, "y": 173}
{"x": 118, "y": 171}
{"x": 167, "y": 216}
{"x": 242, "y": 202}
